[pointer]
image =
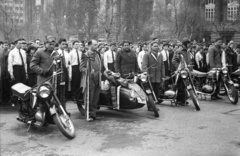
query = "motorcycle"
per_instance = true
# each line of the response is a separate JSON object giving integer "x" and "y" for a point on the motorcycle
{"x": 236, "y": 80}
{"x": 129, "y": 95}
{"x": 171, "y": 85}
{"x": 39, "y": 105}
{"x": 206, "y": 83}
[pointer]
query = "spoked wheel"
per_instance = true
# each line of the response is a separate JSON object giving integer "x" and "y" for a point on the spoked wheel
{"x": 152, "y": 105}
{"x": 195, "y": 100}
{"x": 80, "y": 102}
{"x": 64, "y": 123}
{"x": 232, "y": 93}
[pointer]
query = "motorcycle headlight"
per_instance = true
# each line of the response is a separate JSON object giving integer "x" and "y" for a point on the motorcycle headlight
{"x": 183, "y": 74}
{"x": 44, "y": 92}
{"x": 225, "y": 71}
{"x": 143, "y": 77}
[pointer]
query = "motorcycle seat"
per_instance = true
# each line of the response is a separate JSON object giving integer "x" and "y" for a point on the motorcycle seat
{"x": 199, "y": 74}
{"x": 21, "y": 90}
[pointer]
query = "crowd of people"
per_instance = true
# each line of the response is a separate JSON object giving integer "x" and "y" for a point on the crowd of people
{"x": 30, "y": 62}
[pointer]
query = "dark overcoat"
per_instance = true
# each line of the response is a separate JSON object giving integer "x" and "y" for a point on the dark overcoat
{"x": 157, "y": 70}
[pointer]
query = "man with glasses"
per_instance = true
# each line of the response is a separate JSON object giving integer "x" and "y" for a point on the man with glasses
{"x": 126, "y": 61}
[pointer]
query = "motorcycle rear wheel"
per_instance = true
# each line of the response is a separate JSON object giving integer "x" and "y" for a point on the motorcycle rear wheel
{"x": 194, "y": 100}
{"x": 152, "y": 105}
{"x": 232, "y": 93}
{"x": 64, "y": 123}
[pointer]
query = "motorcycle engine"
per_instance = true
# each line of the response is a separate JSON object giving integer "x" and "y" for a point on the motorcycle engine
{"x": 207, "y": 89}
{"x": 169, "y": 94}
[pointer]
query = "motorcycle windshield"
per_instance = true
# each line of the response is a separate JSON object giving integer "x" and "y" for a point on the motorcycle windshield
{"x": 138, "y": 90}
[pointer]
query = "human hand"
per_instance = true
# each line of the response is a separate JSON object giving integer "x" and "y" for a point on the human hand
{"x": 12, "y": 77}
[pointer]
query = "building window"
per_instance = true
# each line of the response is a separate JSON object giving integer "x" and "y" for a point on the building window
{"x": 210, "y": 10}
{"x": 232, "y": 10}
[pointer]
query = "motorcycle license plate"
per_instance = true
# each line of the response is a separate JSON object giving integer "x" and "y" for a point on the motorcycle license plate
{"x": 148, "y": 91}
{"x": 189, "y": 87}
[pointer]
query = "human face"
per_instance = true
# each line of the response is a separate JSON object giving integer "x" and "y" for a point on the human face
{"x": 145, "y": 48}
{"x": 219, "y": 42}
{"x": 19, "y": 44}
{"x": 24, "y": 45}
{"x": 166, "y": 47}
{"x": 126, "y": 46}
{"x": 155, "y": 47}
{"x": 81, "y": 47}
{"x": 5, "y": 46}
{"x": 94, "y": 45}
{"x": 76, "y": 45}
{"x": 113, "y": 48}
{"x": 63, "y": 45}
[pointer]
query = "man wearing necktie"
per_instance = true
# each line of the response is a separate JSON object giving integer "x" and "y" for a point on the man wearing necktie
{"x": 110, "y": 57}
{"x": 62, "y": 89}
{"x": 17, "y": 66}
{"x": 75, "y": 58}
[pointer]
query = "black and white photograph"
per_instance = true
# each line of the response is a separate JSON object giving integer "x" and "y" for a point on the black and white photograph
{"x": 119, "y": 77}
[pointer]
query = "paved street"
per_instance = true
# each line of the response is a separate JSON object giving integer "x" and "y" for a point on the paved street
{"x": 179, "y": 131}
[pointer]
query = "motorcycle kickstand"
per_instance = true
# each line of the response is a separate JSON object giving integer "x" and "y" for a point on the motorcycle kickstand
{"x": 29, "y": 126}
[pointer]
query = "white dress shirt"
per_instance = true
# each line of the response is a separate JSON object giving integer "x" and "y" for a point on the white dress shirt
{"x": 73, "y": 57}
{"x": 14, "y": 58}
{"x": 66, "y": 54}
{"x": 198, "y": 58}
{"x": 165, "y": 55}
{"x": 140, "y": 58}
{"x": 108, "y": 58}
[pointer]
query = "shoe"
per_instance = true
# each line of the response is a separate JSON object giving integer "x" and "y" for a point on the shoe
{"x": 96, "y": 118}
{"x": 180, "y": 103}
{"x": 218, "y": 97}
{"x": 150, "y": 109}
{"x": 214, "y": 98}
{"x": 90, "y": 119}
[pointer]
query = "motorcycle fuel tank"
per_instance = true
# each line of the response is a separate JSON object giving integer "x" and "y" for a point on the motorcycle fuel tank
{"x": 169, "y": 94}
{"x": 207, "y": 89}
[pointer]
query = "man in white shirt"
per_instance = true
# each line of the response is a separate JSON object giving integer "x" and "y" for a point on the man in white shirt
{"x": 110, "y": 57}
{"x": 141, "y": 54}
{"x": 63, "y": 88}
{"x": 167, "y": 59}
{"x": 75, "y": 56}
{"x": 17, "y": 64}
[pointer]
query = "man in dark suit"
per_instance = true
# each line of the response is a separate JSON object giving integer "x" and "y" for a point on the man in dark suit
{"x": 126, "y": 61}
{"x": 215, "y": 61}
{"x": 155, "y": 59}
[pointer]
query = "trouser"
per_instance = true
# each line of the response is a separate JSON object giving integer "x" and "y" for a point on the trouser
{"x": 76, "y": 80}
{"x": 32, "y": 79}
{"x": 19, "y": 74}
{"x": 1, "y": 89}
{"x": 182, "y": 93}
{"x": 156, "y": 88}
{"x": 94, "y": 92}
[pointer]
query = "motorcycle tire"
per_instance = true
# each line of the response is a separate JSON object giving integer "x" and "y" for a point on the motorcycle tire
{"x": 194, "y": 100}
{"x": 232, "y": 93}
{"x": 152, "y": 105}
{"x": 66, "y": 126}
{"x": 80, "y": 102}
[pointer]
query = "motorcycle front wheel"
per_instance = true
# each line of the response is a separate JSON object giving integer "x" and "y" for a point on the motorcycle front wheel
{"x": 152, "y": 105}
{"x": 194, "y": 100}
{"x": 64, "y": 123}
{"x": 80, "y": 102}
{"x": 232, "y": 93}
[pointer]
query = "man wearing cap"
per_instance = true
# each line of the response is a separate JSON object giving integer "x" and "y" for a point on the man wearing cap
{"x": 42, "y": 60}
{"x": 110, "y": 57}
